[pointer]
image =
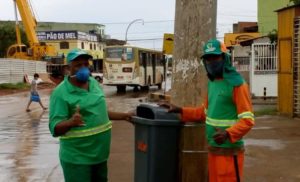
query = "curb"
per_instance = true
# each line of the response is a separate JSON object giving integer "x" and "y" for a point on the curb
{"x": 158, "y": 97}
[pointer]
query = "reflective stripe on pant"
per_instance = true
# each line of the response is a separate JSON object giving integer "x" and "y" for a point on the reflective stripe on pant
{"x": 221, "y": 168}
{"x": 84, "y": 173}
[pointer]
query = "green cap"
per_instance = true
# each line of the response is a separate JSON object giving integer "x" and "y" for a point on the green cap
{"x": 214, "y": 47}
{"x": 74, "y": 53}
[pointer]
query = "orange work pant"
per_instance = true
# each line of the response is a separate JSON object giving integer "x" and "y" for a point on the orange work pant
{"x": 221, "y": 167}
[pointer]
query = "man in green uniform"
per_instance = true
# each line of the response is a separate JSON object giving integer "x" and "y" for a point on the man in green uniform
{"x": 79, "y": 116}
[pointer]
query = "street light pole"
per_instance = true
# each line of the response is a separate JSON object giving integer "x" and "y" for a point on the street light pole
{"x": 136, "y": 20}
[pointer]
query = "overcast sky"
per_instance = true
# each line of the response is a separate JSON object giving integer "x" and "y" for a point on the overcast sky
{"x": 158, "y": 16}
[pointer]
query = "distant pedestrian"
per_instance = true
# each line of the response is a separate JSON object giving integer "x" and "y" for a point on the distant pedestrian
{"x": 79, "y": 117}
{"x": 34, "y": 95}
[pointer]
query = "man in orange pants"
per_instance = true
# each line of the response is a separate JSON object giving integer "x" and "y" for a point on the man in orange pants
{"x": 227, "y": 113}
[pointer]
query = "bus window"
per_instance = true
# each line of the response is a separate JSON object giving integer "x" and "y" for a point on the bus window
{"x": 153, "y": 60}
{"x": 157, "y": 62}
{"x": 143, "y": 61}
{"x": 141, "y": 58}
{"x": 119, "y": 54}
{"x": 149, "y": 61}
{"x": 129, "y": 54}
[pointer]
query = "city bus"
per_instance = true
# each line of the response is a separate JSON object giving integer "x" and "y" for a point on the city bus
{"x": 125, "y": 65}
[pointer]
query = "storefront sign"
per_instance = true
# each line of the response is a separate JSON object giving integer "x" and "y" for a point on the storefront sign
{"x": 66, "y": 35}
{"x": 232, "y": 39}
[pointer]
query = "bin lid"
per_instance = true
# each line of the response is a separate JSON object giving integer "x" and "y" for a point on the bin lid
{"x": 152, "y": 114}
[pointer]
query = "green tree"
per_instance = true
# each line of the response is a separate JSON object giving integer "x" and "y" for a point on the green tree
{"x": 295, "y": 1}
{"x": 273, "y": 35}
{"x": 8, "y": 37}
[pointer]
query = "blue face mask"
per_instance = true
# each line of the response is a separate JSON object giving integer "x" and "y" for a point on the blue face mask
{"x": 82, "y": 75}
{"x": 215, "y": 68}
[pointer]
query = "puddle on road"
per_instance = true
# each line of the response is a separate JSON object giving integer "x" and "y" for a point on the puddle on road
{"x": 20, "y": 133}
{"x": 270, "y": 143}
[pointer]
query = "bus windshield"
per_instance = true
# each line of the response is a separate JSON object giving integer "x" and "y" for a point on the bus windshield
{"x": 119, "y": 54}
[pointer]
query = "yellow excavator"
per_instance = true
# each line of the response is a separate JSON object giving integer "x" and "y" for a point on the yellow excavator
{"x": 36, "y": 50}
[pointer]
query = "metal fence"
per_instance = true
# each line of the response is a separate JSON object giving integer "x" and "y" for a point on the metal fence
{"x": 264, "y": 73}
{"x": 296, "y": 68}
{"x": 264, "y": 57}
{"x": 242, "y": 63}
{"x": 13, "y": 70}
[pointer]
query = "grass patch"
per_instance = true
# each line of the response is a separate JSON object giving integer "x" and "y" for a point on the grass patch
{"x": 14, "y": 86}
{"x": 268, "y": 111}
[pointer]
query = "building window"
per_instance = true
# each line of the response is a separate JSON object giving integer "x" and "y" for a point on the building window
{"x": 64, "y": 45}
{"x": 94, "y": 46}
{"x": 91, "y": 46}
{"x": 82, "y": 45}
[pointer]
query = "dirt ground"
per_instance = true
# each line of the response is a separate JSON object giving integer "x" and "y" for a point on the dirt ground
{"x": 272, "y": 150}
{"x": 11, "y": 91}
{"x": 272, "y": 146}
{"x": 41, "y": 86}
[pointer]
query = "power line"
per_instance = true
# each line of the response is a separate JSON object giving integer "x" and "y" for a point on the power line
{"x": 159, "y": 31}
{"x": 153, "y": 21}
{"x": 137, "y": 33}
{"x": 164, "y": 21}
{"x": 239, "y": 16}
{"x": 135, "y": 40}
{"x": 151, "y": 39}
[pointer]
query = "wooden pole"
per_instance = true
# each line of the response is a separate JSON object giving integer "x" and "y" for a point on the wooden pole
{"x": 195, "y": 23}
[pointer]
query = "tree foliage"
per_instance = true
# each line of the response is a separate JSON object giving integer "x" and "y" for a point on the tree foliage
{"x": 273, "y": 36}
{"x": 8, "y": 37}
{"x": 295, "y": 1}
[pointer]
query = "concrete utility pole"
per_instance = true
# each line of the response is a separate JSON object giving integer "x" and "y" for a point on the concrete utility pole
{"x": 195, "y": 23}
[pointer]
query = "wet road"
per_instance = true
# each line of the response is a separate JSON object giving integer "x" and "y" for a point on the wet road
{"x": 29, "y": 153}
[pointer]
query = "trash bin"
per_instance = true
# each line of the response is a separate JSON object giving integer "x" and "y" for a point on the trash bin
{"x": 156, "y": 144}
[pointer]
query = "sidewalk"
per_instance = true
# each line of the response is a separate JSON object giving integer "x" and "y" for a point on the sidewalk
{"x": 261, "y": 101}
{"x": 272, "y": 151}
{"x": 121, "y": 160}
